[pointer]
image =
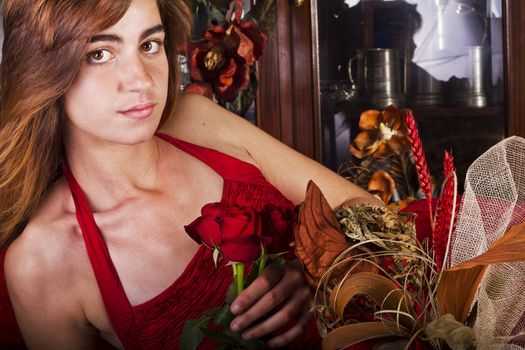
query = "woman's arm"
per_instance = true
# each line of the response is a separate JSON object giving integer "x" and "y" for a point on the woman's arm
{"x": 43, "y": 297}
{"x": 204, "y": 122}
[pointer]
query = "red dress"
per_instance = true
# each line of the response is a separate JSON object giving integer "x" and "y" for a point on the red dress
{"x": 157, "y": 323}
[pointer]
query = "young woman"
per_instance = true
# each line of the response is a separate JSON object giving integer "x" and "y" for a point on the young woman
{"x": 102, "y": 165}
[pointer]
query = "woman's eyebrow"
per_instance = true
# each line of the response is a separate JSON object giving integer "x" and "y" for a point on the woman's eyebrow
{"x": 155, "y": 29}
{"x": 115, "y": 38}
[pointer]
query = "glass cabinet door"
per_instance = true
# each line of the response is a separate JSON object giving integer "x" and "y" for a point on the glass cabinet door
{"x": 441, "y": 58}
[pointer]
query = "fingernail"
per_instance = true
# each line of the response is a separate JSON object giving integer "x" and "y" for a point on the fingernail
{"x": 247, "y": 336}
{"x": 234, "y": 326}
{"x": 235, "y": 309}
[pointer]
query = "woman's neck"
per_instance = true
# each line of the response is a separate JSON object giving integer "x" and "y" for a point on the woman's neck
{"x": 110, "y": 173}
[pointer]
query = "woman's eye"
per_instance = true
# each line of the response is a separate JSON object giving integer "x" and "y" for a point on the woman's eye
{"x": 150, "y": 47}
{"x": 99, "y": 56}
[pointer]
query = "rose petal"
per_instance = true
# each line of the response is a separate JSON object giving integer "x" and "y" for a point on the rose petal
{"x": 279, "y": 224}
{"x": 205, "y": 229}
{"x": 258, "y": 38}
{"x": 195, "y": 50}
{"x": 203, "y": 89}
{"x": 369, "y": 120}
{"x": 239, "y": 226}
{"x": 244, "y": 251}
{"x": 215, "y": 209}
{"x": 214, "y": 34}
{"x": 230, "y": 83}
{"x": 245, "y": 47}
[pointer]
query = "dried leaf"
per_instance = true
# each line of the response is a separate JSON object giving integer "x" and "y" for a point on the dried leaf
{"x": 382, "y": 184}
{"x": 379, "y": 288}
{"x": 456, "y": 334}
{"x": 456, "y": 291}
{"x": 318, "y": 239}
{"x": 351, "y": 334}
{"x": 453, "y": 294}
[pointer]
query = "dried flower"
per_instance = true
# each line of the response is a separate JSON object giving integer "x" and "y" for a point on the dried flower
{"x": 221, "y": 62}
{"x": 382, "y": 185}
{"x": 383, "y": 133}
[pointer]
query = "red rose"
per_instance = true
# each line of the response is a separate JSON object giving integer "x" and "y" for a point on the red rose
{"x": 278, "y": 223}
{"x": 235, "y": 231}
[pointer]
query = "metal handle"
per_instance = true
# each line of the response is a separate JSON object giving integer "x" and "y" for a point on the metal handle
{"x": 350, "y": 72}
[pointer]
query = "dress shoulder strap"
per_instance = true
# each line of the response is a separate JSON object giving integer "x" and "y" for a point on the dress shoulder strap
{"x": 228, "y": 167}
{"x": 117, "y": 305}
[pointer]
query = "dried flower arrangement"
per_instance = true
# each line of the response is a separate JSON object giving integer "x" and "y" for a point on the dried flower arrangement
{"x": 378, "y": 282}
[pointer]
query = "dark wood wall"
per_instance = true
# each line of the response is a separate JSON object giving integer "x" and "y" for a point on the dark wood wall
{"x": 287, "y": 98}
{"x": 514, "y": 32}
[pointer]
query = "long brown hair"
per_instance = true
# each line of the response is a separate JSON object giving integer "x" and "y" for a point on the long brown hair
{"x": 44, "y": 42}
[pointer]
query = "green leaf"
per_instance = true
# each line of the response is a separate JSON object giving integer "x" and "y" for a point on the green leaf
{"x": 268, "y": 22}
{"x": 224, "y": 316}
{"x": 276, "y": 259}
{"x": 254, "y": 272}
{"x": 212, "y": 312}
{"x": 192, "y": 333}
{"x": 238, "y": 343}
{"x": 222, "y": 4}
{"x": 223, "y": 347}
{"x": 244, "y": 98}
{"x": 254, "y": 344}
{"x": 263, "y": 11}
{"x": 206, "y": 12}
{"x": 219, "y": 335}
{"x": 231, "y": 294}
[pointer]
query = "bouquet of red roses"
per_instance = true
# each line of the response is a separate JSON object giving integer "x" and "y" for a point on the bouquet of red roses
{"x": 236, "y": 235}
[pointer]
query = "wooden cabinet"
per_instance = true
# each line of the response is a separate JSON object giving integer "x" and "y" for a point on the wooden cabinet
{"x": 290, "y": 102}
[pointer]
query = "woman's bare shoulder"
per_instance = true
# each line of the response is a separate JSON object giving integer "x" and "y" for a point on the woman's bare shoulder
{"x": 49, "y": 243}
{"x": 201, "y": 121}
{"x": 48, "y": 277}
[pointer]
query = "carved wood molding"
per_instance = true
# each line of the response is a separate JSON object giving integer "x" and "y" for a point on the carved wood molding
{"x": 514, "y": 55}
{"x": 287, "y": 98}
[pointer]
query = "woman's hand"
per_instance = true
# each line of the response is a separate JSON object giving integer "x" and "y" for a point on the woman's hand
{"x": 281, "y": 294}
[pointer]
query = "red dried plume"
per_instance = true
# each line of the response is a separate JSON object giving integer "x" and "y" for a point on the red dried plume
{"x": 444, "y": 211}
{"x": 420, "y": 161}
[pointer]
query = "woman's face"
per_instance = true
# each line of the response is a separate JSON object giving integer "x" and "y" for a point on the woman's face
{"x": 120, "y": 91}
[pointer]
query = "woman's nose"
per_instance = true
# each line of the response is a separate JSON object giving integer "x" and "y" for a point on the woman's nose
{"x": 136, "y": 75}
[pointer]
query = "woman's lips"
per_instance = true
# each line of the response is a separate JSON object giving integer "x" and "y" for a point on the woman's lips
{"x": 141, "y": 111}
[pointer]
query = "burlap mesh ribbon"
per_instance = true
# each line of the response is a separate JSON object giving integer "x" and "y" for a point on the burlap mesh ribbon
{"x": 493, "y": 202}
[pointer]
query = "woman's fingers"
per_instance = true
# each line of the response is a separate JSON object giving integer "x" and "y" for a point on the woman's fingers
{"x": 257, "y": 289}
{"x": 288, "y": 315}
{"x": 291, "y": 334}
{"x": 279, "y": 291}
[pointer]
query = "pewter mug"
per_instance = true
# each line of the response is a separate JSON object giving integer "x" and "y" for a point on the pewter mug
{"x": 378, "y": 82}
